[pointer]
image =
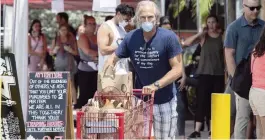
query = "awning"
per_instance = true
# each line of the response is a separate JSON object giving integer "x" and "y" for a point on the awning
{"x": 69, "y": 4}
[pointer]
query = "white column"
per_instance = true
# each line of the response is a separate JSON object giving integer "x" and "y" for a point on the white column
{"x": 8, "y": 26}
{"x": 199, "y": 23}
{"x": 1, "y": 28}
{"x": 20, "y": 45}
{"x": 239, "y": 7}
{"x": 162, "y": 6}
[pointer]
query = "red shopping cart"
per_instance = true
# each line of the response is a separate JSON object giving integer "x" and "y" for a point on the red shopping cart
{"x": 134, "y": 122}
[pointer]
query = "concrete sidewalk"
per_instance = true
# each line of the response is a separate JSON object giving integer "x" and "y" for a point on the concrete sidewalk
{"x": 190, "y": 128}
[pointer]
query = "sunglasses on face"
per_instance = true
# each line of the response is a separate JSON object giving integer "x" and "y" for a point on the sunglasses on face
{"x": 252, "y": 8}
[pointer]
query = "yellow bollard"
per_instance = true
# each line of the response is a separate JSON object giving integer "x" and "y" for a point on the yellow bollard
{"x": 220, "y": 116}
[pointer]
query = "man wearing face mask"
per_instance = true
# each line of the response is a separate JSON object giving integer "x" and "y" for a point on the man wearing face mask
{"x": 156, "y": 56}
{"x": 111, "y": 32}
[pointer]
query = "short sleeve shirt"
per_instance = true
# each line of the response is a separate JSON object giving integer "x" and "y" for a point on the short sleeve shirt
{"x": 151, "y": 59}
{"x": 242, "y": 37}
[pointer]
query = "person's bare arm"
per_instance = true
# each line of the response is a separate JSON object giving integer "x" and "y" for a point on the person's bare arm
{"x": 230, "y": 60}
{"x": 111, "y": 62}
{"x": 103, "y": 40}
{"x": 85, "y": 47}
{"x": 44, "y": 46}
{"x": 44, "y": 49}
{"x": 183, "y": 71}
{"x": 53, "y": 47}
{"x": 182, "y": 81}
{"x": 74, "y": 49}
{"x": 193, "y": 40}
{"x": 230, "y": 44}
{"x": 29, "y": 45}
{"x": 170, "y": 77}
{"x": 174, "y": 73}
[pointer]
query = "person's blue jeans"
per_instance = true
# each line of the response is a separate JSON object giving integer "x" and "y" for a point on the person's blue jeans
{"x": 180, "y": 110}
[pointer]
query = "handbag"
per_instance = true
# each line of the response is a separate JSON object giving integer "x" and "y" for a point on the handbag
{"x": 241, "y": 82}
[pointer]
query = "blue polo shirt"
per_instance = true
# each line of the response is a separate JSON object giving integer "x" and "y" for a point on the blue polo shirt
{"x": 151, "y": 59}
{"x": 242, "y": 37}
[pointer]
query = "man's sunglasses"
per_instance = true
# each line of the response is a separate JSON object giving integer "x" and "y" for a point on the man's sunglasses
{"x": 253, "y": 8}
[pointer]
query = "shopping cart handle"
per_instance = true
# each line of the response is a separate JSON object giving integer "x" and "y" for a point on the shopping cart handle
{"x": 139, "y": 92}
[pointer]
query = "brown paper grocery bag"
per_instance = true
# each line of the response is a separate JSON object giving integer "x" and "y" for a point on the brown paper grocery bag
{"x": 114, "y": 84}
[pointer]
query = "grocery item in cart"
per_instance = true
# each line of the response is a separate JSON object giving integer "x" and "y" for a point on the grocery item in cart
{"x": 110, "y": 83}
{"x": 137, "y": 122}
{"x": 91, "y": 110}
{"x": 129, "y": 119}
{"x": 109, "y": 118}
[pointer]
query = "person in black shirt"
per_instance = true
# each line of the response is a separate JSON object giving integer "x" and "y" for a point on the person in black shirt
{"x": 62, "y": 19}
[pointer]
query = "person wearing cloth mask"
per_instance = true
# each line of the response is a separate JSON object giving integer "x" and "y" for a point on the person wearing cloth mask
{"x": 111, "y": 32}
{"x": 155, "y": 73}
{"x": 241, "y": 36}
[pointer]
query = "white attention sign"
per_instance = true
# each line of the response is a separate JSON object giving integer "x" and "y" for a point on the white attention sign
{"x": 105, "y": 5}
{"x": 57, "y": 6}
{"x": 108, "y": 3}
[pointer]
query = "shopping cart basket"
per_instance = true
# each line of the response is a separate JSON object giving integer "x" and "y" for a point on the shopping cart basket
{"x": 135, "y": 122}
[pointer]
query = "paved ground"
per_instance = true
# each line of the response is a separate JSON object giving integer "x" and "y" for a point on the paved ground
{"x": 190, "y": 128}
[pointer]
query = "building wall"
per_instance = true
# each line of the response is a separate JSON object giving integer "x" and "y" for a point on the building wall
{"x": 262, "y": 12}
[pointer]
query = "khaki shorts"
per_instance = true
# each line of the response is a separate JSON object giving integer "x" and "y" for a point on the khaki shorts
{"x": 257, "y": 101}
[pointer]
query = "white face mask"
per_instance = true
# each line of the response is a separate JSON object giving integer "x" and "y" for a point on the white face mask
{"x": 123, "y": 23}
{"x": 147, "y": 26}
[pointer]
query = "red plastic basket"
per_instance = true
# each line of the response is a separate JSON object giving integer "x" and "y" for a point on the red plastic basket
{"x": 134, "y": 123}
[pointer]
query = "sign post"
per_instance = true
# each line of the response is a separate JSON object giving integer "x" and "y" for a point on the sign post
{"x": 48, "y": 112}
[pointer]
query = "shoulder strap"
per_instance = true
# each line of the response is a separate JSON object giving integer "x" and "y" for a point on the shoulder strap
{"x": 113, "y": 28}
{"x": 35, "y": 47}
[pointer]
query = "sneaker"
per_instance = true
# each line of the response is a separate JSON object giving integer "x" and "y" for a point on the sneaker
{"x": 209, "y": 135}
{"x": 195, "y": 135}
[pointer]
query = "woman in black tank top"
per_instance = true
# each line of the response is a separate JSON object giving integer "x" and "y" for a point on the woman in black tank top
{"x": 210, "y": 70}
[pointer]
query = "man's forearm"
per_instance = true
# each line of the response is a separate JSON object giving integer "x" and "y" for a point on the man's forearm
{"x": 183, "y": 70}
{"x": 112, "y": 60}
{"x": 170, "y": 77}
{"x": 231, "y": 65}
{"x": 108, "y": 50}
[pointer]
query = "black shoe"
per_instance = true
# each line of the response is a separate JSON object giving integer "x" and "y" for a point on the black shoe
{"x": 209, "y": 135}
{"x": 194, "y": 135}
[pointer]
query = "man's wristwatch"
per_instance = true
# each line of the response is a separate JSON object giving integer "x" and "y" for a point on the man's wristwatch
{"x": 156, "y": 84}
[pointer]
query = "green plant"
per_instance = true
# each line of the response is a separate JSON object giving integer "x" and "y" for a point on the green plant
{"x": 177, "y": 9}
{"x": 204, "y": 7}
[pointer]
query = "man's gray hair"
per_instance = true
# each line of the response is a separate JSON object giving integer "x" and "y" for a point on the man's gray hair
{"x": 143, "y": 4}
{"x": 246, "y": 1}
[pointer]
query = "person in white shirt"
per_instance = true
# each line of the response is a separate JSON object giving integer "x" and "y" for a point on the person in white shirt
{"x": 111, "y": 33}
